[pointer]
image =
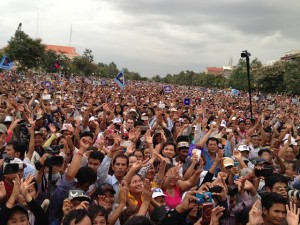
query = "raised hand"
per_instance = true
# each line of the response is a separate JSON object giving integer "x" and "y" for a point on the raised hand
{"x": 255, "y": 215}
{"x": 292, "y": 215}
{"x": 83, "y": 205}
{"x": 216, "y": 214}
{"x": 25, "y": 185}
{"x": 85, "y": 143}
{"x": 130, "y": 149}
{"x": 52, "y": 128}
{"x": 70, "y": 127}
{"x": 147, "y": 192}
{"x": 237, "y": 154}
{"x": 148, "y": 137}
{"x": 2, "y": 190}
{"x": 67, "y": 206}
{"x": 123, "y": 193}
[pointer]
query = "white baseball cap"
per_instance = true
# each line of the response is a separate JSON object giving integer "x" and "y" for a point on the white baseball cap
{"x": 157, "y": 192}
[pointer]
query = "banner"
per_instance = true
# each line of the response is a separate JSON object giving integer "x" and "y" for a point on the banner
{"x": 235, "y": 92}
{"x": 6, "y": 63}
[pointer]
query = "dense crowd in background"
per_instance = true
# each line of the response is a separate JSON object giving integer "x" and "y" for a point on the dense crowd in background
{"x": 79, "y": 150}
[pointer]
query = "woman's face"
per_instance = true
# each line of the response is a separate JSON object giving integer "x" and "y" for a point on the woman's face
{"x": 132, "y": 160}
{"x": 118, "y": 108}
{"x": 168, "y": 151}
{"x": 174, "y": 179}
{"x": 62, "y": 141}
{"x": 150, "y": 173}
{"x": 109, "y": 199}
{"x": 99, "y": 220}
{"x": 18, "y": 218}
{"x": 136, "y": 184}
{"x": 139, "y": 155}
{"x": 146, "y": 153}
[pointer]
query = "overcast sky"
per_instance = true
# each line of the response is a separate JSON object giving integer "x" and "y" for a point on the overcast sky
{"x": 160, "y": 36}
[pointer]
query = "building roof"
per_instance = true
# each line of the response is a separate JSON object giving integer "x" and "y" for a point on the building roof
{"x": 66, "y": 50}
{"x": 214, "y": 69}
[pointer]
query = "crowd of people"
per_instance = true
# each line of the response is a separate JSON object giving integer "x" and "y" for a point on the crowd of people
{"x": 77, "y": 150}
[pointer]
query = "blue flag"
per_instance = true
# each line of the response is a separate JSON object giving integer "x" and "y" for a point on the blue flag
{"x": 120, "y": 80}
{"x": 235, "y": 92}
{"x": 167, "y": 89}
{"x": 6, "y": 63}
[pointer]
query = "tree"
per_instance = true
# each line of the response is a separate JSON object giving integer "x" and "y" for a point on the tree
{"x": 48, "y": 61}
{"x": 88, "y": 54}
{"x": 157, "y": 78}
{"x": 82, "y": 66}
{"x": 270, "y": 78}
{"x": 112, "y": 70}
{"x": 27, "y": 51}
{"x": 292, "y": 76}
{"x": 239, "y": 78}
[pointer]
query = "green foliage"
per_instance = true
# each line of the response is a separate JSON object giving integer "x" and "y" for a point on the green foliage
{"x": 82, "y": 66}
{"x": 48, "y": 61}
{"x": 88, "y": 54}
{"x": 270, "y": 78}
{"x": 292, "y": 76}
{"x": 26, "y": 51}
{"x": 239, "y": 78}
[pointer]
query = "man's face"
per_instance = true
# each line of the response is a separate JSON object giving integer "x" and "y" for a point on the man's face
{"x": 276, "y": 214}
{"x": 38, "y": 140}
{"x": 289, "y": 155}
{"x": 129, "y": 124}
{"x": 280, "y": 188}
{"x": 242, "y": 126}
{"x": 245, "y": 154}
{"x": 94, "y": 164}
{"x": 212, "y": 146}
{"x": 10, "y": 151}
{"x": 183, "y": 153}
{"x": 120, "y": 167}
{"x": 255, "y": 141}
{"x": 265, "y": 155}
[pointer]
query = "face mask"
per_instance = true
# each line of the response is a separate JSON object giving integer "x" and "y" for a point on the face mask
{"x": 55, "y": 176}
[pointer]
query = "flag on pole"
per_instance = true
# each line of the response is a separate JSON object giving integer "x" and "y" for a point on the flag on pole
{"x": 6, "y": 63}
{"x": 235, "y": 92}
{"x": 120, "y": 80}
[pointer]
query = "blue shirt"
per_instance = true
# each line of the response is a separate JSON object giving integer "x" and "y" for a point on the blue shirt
{"x": 209, "y": 162}
{"x": 57, "y": 198}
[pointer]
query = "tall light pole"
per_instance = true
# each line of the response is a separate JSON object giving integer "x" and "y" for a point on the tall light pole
{"x": 246, "y": 54}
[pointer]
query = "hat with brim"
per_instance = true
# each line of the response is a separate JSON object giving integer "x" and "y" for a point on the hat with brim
{"x": 242, "y": 148}
{"x": 92, "y": 118}
{"x": 182, "y": 145}
{"x": 157, "y": 192}
{"x": 227, "y": 161}
{"x": 8, "y": 119}
{"x": 78, "y": 194}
